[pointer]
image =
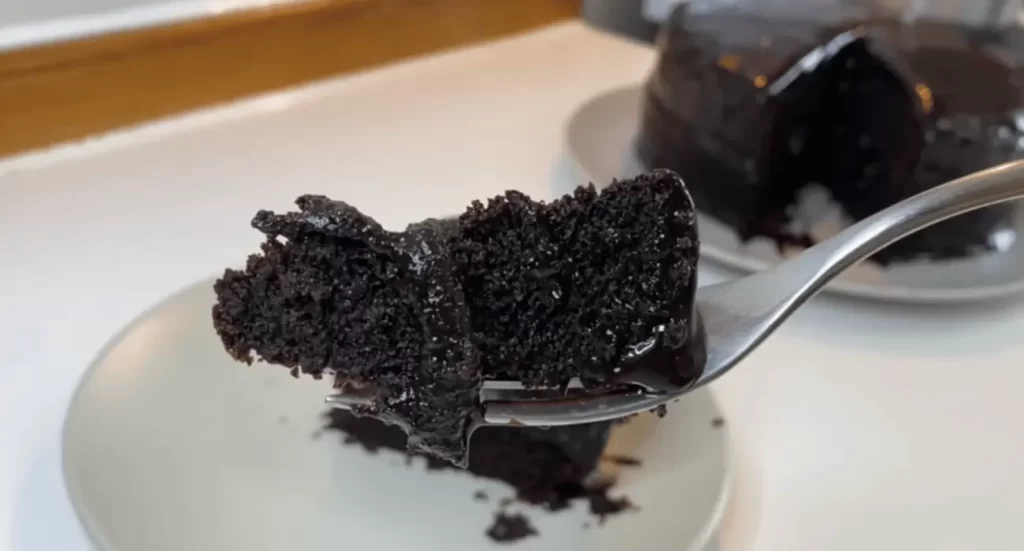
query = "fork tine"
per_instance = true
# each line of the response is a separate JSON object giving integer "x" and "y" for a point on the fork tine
{"x": 507, "y": 391}
{"x": 510, "y": 403}
{"x": 573, "y": 410}
{"x": 342, "y": 400}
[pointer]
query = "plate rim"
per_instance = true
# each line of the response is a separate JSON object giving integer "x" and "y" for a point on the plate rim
{"x": 74, "y": 492}
{"x": 745, "y": 264}
{"x": 94, "y": 533}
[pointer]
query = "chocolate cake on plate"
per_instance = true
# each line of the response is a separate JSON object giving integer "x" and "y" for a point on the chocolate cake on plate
{"x": 750, "y": 109}
{"x": 514, "y": 289}
{"x": 549, "y": 468}
{"x": 546, "y": 467}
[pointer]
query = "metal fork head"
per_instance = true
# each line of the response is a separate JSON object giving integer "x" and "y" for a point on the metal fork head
{"x": 510, "y": 403}
{"x": 591, "y": 407}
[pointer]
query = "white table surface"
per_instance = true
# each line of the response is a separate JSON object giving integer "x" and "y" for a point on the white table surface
{"x": 859, "y": 426}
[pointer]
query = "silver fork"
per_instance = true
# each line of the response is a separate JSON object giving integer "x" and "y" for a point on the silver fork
{"x": 738, "y": 315}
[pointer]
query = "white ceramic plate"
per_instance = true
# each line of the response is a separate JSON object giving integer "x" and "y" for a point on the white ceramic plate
{"x": 169, "y": 446}
{"x": 600, "y": 143}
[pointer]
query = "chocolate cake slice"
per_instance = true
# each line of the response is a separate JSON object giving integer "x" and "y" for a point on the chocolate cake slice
{"x": 751, "y": 109}
{"x": 515, "y": 289}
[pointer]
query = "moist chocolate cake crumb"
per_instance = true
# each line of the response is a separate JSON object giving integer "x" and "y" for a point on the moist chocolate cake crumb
{"x": 572, "y": 288}
{"x": 589, "y": 286}
{"x": 621, "y": 460}
{"x": 480, "y": 495}
{"x": 717, "y": 422}
{"x": 510, "y": 527}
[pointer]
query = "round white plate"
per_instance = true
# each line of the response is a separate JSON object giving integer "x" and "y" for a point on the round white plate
{"x": 600, "y": 143}
{"x": 169, "y": 445}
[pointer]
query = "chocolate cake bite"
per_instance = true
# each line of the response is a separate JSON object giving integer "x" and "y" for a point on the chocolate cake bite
{"x": 514, "y": 289}
{"x": 751, "y": 109}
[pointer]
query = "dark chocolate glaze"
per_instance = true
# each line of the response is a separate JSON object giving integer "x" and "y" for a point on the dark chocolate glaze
{"x": 752, "y": 109}
{"x": 449, "y": 369}
{"x": 513, "y": 290}
{"x": 669, "y": 360}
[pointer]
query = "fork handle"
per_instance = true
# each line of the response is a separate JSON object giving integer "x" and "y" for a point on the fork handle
{"x": 762, "y": 301}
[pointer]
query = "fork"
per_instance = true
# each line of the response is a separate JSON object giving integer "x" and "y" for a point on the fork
{"x": 736, "y": 316}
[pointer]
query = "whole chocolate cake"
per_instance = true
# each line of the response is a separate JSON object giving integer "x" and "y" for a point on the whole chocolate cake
{"x": 751, "y": 109}
{"x": 515, "y": 289}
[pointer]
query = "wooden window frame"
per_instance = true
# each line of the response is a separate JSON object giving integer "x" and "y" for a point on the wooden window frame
{"x": 66, "y": 91}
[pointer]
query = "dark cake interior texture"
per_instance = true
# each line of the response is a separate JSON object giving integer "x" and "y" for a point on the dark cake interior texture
{"x": 750, "y": 109}
{"x": 514, "y": 289}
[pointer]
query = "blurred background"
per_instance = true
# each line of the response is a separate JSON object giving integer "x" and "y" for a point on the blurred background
{"x": 857, "y": 429}
{"x": 75, "y": 68}
{"x": 640, "y": 19}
